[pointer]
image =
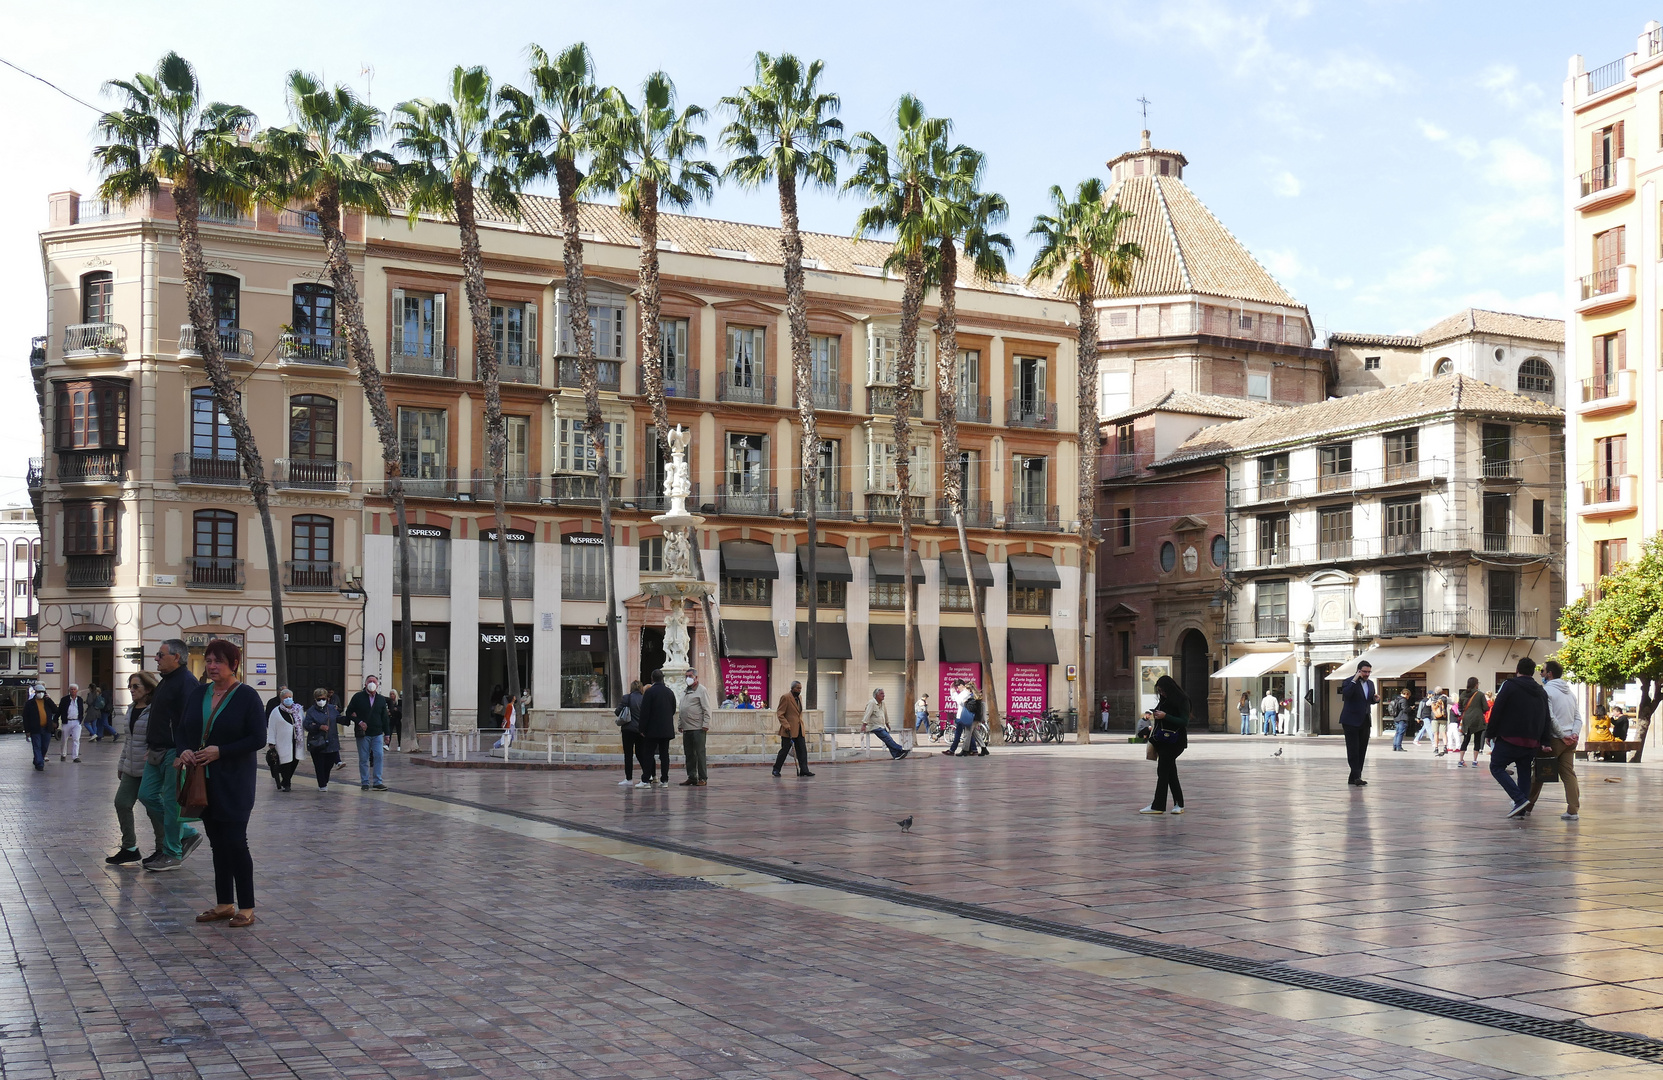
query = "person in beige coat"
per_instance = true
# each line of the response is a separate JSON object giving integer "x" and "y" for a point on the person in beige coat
{"x": 790, "y": 713}
{"x": 693, "y": 721}
{"x": 876, "y": 720}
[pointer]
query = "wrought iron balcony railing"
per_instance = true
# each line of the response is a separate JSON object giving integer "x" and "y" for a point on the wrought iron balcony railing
{"x": 977, "y": 515}
{"x": 747, "y": 501}
{"x": 217, "y": 468}
{"x": 886, "y": 506}
{"x": 92, "y": 466}
{"x": 433, "y": 483}
{"x": 757, "y": 390}
{"x": 529, "y": 373}
{"x": 95, "y": 339}
{"x": 649, "y": 495}
{"x": 320, "y": 350}
{"x": 298, "y": 221}
{"x": 833, "y": 397}
{"x": 307, "y": 475}
{"x": 609, "y": 374}
{"x": 235, "y": 343}
{"x": 422, "y": 358}
{"x": 213, "y": 572}
{"x": 973, "y": 410}
{"x": 515, "y": 489}
{"x": 833, "y": 505}
{"x": 1035, "y": 518}
{"x": 306, "y": 576}
{"x": 584, "y": 489}
{"x": 89, "y": 571}
{"x": 1030, "y": 413}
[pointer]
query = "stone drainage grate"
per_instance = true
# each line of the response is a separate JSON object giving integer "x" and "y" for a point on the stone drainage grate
{"x": 661, "y": 884}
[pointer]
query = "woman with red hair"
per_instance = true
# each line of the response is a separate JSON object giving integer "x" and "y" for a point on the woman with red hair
{"x": 224, "y": 728}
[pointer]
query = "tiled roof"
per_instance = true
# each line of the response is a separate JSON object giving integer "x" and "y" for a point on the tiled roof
{"x": 1385, "y": 341}
{"x": 1185, "y": 248}
{"x": 605, "y": 224}
{"x": 1178, "y": 401}
{"x": 1391, "y": 405}
{"x": 1479, "y": 321}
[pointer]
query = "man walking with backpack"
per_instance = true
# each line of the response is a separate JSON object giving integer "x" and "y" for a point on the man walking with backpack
{"x": 1439, "y": 708}
{"x": 1518, "y": 727}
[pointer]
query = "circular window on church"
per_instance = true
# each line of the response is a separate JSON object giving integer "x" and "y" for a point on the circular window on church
{"x": 1221, "y": 550}
{"x": 1169, "y": 557}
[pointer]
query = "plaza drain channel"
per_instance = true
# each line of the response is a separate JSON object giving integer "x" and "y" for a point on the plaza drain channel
{"x": 1572, "y": 1033}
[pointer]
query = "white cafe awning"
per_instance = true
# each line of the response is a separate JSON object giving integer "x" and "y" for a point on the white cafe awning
{"x": 1253, "y": 665}
{"x": 1389, "y": 661}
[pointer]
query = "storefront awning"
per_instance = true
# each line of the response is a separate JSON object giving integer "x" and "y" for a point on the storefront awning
{"x": 831, "y": 563}
{"x": 888, "y": 644}
{"x": 831, "y": 641}
{"x": 959, "y": 645}
{"x": 1028, "y": 646}
{"x": 1389, "y": 661}
{"x": 887, "y": 566}
{"x": 744, "y": 637}
{"x": 1253, "y": 665}
{"x": 952, "y": 568}
{"x": 1034, "y": 572}
{"x": 748, "y": 558}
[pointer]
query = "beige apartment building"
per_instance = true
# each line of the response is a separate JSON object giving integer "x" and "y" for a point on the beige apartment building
{"x": 150, "y": 533}
{"x": 1613, "y": 117}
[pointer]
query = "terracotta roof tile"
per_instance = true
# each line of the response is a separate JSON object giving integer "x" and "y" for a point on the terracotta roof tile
{"x": 1477, "y": 320}
{"x": 1178, "y": 401}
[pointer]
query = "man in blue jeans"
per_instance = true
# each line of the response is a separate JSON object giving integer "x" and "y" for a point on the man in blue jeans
{"x": 40, "y": 719}
{"x": 1519, "y": 726}
{"x": 1401, "y": 711}
{"x": 366, "y": 716}
{"x": 159, "y": 787}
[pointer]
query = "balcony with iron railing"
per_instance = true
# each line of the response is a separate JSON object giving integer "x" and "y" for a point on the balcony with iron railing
{"x": 1120, "y": 466}
{"x": 579, "y": 583}
{"x": 747, "y": 501}
{"x": 424, "y": 580}
{"x": 299, "y": 221}
{"x": 828, "y": 505}
{"x": 1605, "y": 185}
{"x": 1506, "y": 623}
{"x": 521, "y": 581}
{"x": 886, "y": 506}
{"x": 218, "y": 469}
{"x": 832, "y": 397}
{"x": 89, "y": 571}
{"x": 515, "y": 489}
{"x": 34, "y": 476}
{"x": 1360, "y": 481}
{"x": 886, "y": 400}
{"x": 757, "y": 390}
{"x": 421, "y": 358}
{"x": 306, "y": 474}
{"x": 1502, "y": 468}
{"x": 437, "y": 482}
{"x": 683, "y": 384}
{"x": 1605, "y": 290}
{"x": 1514, "y": 545}
{"x": 219, "y": 212}
{"x": 649, "y": 496}
{"x": 90, "y": 209}
{"x": 1425, "y": 542}
{"x": 1607, "y": 392}
{"x": 101, "y": 339}
{"x": 213, "y": 572}
{"x": 609, "y": 374}
{"x": 235, "y": 343}
{"x": 1030, "y": 413}
{"x": 1607, "y": 495}
{"x": 583, "y": 489}
{"x": 527, "y": 373}
{"x": 304, "y": 576}
{"x": 1270, "y": 626}
{"x": 313, "y": 350}
{"x": 1034, "y": 518}
{"x": 92, "y": 466}
{"x": 977, "y": 515}
{"x": 970, "y": 409}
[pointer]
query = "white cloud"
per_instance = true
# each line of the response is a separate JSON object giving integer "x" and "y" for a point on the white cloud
{"x": 1432, "y": 131}
{"x": 1513, "y": 164}
{"x": 1285, "y": 184}
{"x": 1284, "y": 265}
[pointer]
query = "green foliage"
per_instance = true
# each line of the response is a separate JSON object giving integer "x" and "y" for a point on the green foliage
{"x": 455, "y": 141}
{"x": 784, "y": 125}
{"x": 962, "y": 218}
{"x": 1618, "y": 638}
{"x": 650, "y": 147}
{"x": 329, "y": 148}
{"x": 897, "y": 182}
{"x": 1079, "y": 236}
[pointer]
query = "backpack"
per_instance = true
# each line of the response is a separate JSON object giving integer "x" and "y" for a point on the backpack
{"x": 1440, "y": 709}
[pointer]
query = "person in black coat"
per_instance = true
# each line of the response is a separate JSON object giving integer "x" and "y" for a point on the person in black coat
{"x": 224, "y": 728}
{"x": 658, "y": 727}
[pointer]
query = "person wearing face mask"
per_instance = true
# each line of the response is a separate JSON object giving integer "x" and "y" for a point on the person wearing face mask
{"x": 323, "y": 736}
{"x": 366, "y": 715}
{"x": 284, "y": 738}
{"x": 694, "y": 723}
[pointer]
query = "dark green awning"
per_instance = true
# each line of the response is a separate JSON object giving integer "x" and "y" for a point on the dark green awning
{"x": 831, "y": 641}
{"x": 831, "y": 563}
{"x": 1027, "y": 646}
{"x": 1034, "y": 571}
{"x": 959, "y": 645}
{"x": 888, "y": 566}
{"x": 952, "y": 568}
{"x": 748, "y": 558}
{"x": 888, "y": 644}
{"x": 746, "y": 637}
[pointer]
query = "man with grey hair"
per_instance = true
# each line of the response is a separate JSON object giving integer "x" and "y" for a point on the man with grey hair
{"x": 159, "y": 788}
{"x": 876, "y": 720}
{"x": 72, "y": 714}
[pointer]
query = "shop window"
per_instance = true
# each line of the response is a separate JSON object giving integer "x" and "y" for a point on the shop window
{"x": 890, "y": 596}
{"x": 1028, "y": 600}
{"x": 752, "y": 591}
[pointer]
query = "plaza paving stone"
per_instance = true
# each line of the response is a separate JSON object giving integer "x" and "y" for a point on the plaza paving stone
{"x": 405, "y": 936}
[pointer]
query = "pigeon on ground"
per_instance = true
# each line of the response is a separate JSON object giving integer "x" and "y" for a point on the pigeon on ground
{"x": 1278, "y": 752}
{"x": 905, "y": 823}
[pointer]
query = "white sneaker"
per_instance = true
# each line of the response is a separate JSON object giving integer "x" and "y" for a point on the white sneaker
{"x": 1518, "y": 809}
{"x": 1568, "y": 817}
{"x": 626, "y": 783}
{"x": 642, "y": 783}
{"x": 1151, "y": 810}
{"x": 1176, "y": 810}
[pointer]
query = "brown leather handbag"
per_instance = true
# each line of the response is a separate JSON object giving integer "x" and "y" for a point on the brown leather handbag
{"x": 193, "y": 792}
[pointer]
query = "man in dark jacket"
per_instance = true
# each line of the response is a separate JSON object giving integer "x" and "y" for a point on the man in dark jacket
{"x": 629, "y": 731}
{"x": 40, "y": 719}
{"x": 658, "y": 727}
{"x": 1519, "y": 727}
{"x": 1357, "y": 694}
{"x": 1401, "y": 709}
{"x": 366, "y": 716}
{"x": 159, "y": 789}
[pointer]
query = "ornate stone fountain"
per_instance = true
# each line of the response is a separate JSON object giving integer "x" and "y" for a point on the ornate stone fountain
{"x": 677, "y": 584}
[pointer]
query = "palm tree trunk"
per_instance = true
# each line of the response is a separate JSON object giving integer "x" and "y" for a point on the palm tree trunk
{"x": 912, "y": 299}
{"x": 577, "y": 303}
{"x": 188, "y": 203}
{"x": 802, "y": 386}
{"x": 485, "y": 358}
{"x": 952, "y": 484}
{"x": 652, "y": 345}
{"x": 1090, "y": 436}
{"x": 349, "y": 310}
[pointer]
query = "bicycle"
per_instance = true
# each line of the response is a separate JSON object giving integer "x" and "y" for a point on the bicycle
{"x": 1050, "y": 728}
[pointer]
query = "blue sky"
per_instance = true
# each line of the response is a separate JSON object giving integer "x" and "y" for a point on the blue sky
{"x": 1390, "y": 161}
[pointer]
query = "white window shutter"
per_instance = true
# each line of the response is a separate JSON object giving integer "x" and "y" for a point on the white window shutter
{"x": 1039, "y": 378}
{"x": 398, "y": 318}
{"x": 874, "y": 353}
{"x": 439, "y": 324}
{"x": 529, "y": 351}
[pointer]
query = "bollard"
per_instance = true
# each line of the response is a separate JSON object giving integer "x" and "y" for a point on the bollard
{"x": 548, "y": 746}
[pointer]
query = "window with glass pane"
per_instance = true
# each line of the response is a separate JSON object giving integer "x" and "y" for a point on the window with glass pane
{"x": 745, "y": 464}
{"x": 1402, "y": 525}
{"x": 313, "y": 316}
{"x": 1030, "y": 486}
{"x": 1274, "y": 532}
{"x": 418, "y": 324}
{"x": 745, "y": 356}
{"x": 89, "y": 527}
{"x": 1273, "y": 476}
{"x": 750, "y": 591}
{"x": 1258, "y": 385}
{"x": 1270, "y": 608}
{"x": 429, "y": 565}
{"x": 1503, "y": 587}
{"x": 890, "y": 596}
{"x": 823, "y": 366}
{"x": 1028, "y": 599}
{"x": 957, "y": 597}
{"x": 312, "y": 428}
{"x": 225, "y": 294}
{"x": 517, "y": 453}
{"x": 98, "y": 297}
{"x": 1498, "y": 447}
{"x": 1030, "y": 383}
{"x": 215, "y": 534}
{"x": 970, "y": 475}
{"x": 606, "y": 329}
{"x": 1402, "y": 603}
{"x": 575, "y": 450}
{"x": 1402, "y": 455}
{"x": 832, "y": 593}
{"x": 210, "y": 429}
{"x": 90, "y": 415}
{"x": 1334, "y": 466}
{"x": 314, "y": 538}
{"x": 422, "y": 438}
{"x": 1125, "y": 439}
{"x": 831, "y": 453}
{"x": 969, "y": 382}
{"x": 652, "y": 555}
{"x": 514, "y": 330}
{"x": 673, "y": 334}
{"x": 582, "y": 569}
{"x": 1123, "y": 526}
{"x": 1334, "y": 532}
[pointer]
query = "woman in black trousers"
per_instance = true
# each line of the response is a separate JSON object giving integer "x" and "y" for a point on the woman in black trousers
{"x": 1171, "y": 716}
{"x": 224, "y": 728}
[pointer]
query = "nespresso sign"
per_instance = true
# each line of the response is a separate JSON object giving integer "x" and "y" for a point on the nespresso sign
{"x": 584, "y": 538}
{"x": 428, "y": 532}
{"x": 86, "y": 639}
{"x": 499, "y": 638}
{"x": 515, "y": 536}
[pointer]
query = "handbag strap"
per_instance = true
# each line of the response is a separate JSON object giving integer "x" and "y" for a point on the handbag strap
{"x": 210, "y": 714}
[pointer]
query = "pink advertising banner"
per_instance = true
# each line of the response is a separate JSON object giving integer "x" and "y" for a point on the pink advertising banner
{"x": 1025, "y": 686}
{"x": 750, "y": 676}
{"x": 950, "y": 673}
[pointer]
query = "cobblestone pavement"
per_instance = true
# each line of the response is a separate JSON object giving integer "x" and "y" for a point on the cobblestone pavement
{"x": 405, "y": 936}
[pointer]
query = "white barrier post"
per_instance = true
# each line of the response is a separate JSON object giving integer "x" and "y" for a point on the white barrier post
{"x": 548, "y": 746}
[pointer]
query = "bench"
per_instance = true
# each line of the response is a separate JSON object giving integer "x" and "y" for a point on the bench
{"x": 1608, "y": 746}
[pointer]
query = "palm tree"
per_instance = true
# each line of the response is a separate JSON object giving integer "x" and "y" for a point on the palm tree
{"x": 898, "y": 185}
{"x": 963, "y": 219}
{"x": 550, "y": 129}
{"x": 326, "y": 161}
{"x": 1080, "y": 248}
{"x": 645, "y": 156}
{"x": 166, "y": 133}
{"x": 784, "y": 129}
{"x": 455, "y": 151}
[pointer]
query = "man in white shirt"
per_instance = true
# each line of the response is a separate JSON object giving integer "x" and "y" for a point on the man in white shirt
{"x": 71, "y": 713}
{"x": 1565, "y": 719}
{"x": 876, "y": 720}
{"x": 1269, "y": 706}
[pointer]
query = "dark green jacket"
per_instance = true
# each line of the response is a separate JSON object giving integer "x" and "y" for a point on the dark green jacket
{"x": 360, "y": 711}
